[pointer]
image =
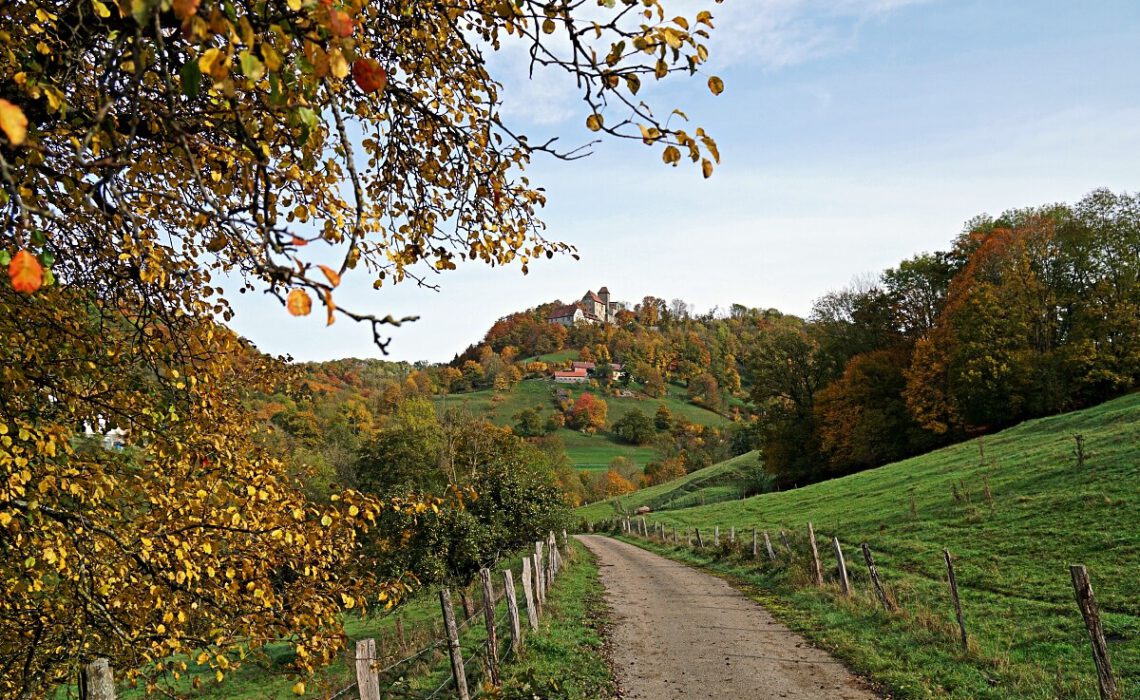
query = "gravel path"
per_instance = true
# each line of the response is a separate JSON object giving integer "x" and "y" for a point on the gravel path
{"x": 680, "y": 633}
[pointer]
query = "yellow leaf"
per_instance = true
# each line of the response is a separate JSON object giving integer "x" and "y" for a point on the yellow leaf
{"x": 210, "y": 61}
{"x": 706, "y": 167}
{"x": 326, "y": 520}
{"x": 13, "y": 122}
{"x": 5, "y": 519}
{"x": 671, "y": 155}
{"x": 353, "y": 511}
{"x": 338, "y": 65}
{"x": 299, "y": 688}
{"x": 299, "y": 303}
{"x": 594, "y": 122}
{"x": 716, "y": 85}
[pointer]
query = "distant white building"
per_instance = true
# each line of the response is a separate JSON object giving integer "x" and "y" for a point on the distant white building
{"x": 574, "y": 376}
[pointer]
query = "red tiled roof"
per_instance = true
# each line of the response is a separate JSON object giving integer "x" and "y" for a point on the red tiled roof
{"x": 583, "y": 365}
{"x": 592, "y": 297}
{"x": 564, "y": 312}
{"x": 572, "y": 373}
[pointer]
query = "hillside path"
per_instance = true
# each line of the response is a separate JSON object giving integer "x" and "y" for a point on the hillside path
{"x": 680, "y": 633}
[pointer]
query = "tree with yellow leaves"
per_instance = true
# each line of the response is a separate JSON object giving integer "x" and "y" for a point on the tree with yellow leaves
{"x": 149, "y": 148}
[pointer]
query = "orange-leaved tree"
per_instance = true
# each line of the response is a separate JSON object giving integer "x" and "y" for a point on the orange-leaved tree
{"x": 151, "y": 148}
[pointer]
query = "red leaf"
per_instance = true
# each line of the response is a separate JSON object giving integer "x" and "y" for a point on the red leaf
{"x": 369, "y": 75}
{"x": 340, "y": 23}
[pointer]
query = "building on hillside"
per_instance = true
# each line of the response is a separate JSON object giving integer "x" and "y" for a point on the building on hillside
{"x": 591, "y": 308}
{"x": 574, "y": 376}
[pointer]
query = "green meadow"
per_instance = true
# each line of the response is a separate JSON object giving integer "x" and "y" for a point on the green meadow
{"x": 1015, "y": 511}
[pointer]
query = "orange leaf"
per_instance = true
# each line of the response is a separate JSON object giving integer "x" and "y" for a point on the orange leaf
{"x": 369, "y": 75}
{"x": 331, "y": 275}
{"x": 184, "y": 9}
{"x": 13, "y": 122}
{"x": 340, "y": 23}
{"x": 26, "y": 273}
{"x": 299, "y": 242}
{"x": 299, "y": 303}
{"x": 331, "y": 308}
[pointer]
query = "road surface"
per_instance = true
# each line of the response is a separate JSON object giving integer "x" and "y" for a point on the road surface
{"x": 680, "y": 633}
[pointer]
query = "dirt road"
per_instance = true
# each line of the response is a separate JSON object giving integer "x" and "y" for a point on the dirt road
{"x": 680, "y": 633}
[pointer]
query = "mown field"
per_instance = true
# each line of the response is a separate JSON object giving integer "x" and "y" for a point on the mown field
{"x": 1014, "y": 510}
{"x": 592, "y": 452}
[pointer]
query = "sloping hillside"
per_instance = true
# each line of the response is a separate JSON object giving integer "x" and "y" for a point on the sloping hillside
{"x": 592, "y": 452}
{"x": 1015, "y": 509}
{"x": 729, "y": 480}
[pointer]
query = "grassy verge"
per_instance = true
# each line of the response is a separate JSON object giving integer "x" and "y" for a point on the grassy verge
{"x": 566, "y": 659}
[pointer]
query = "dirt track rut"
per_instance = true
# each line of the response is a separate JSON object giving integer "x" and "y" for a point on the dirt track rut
{"x": 680, "y": 633}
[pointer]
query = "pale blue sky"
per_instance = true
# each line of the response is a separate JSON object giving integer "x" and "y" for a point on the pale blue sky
{"x": 854, "y": 133}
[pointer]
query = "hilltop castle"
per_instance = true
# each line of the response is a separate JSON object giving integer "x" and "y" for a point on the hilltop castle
{"x": 592, "y": 308}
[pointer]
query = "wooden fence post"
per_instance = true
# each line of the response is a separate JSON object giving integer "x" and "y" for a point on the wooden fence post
{"x": 97, "y": 681}
{"x": 539, "y": 588}
{"x": 512, "y": 611}
{"x": 465, "y": 600}
{"x": 528, "y": 595}
{"x": 716, "y": 536}
{"x": 787, "y": 544}
{"x": 675, "y": 540}
{"x": 755, "y": 547}
{"x": 700, "y": 540}
{"x": 732, "y": 535}
{"x": 818, "y": 569}
{"x": 367, "y": 682}
{"x": 453, "y": 648}
{"x": 768, "y": 547}
{"x": 489, "y": 623}
{"x": 400, "y": 632}
{"x": 954, "y": 596}
{"x": 1087, "y": 603}
{"x": 844, "y": 583}
{"x": 688, "y": 537}
{"x": 874, "y": 571}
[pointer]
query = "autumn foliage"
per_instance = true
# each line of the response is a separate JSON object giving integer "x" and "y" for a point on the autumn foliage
{"x": 149, "y": 151}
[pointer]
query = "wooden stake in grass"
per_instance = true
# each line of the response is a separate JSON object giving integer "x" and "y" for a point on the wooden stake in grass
{"x": 539, "y": 585}
{"x": 817, "y": 567}
{"x": 716, "y": 536}
{"x": 874, "y": 571}
{"x": 732, "y": 535}
{"x": 97, "y": 681}
{"x": 954, "y": 597}
{"x": 528, "y": 594}
{"x": 367, "y": 682}
{"x": 400, "y": 632}
{"x": 768, "y": 547}
{"x": 453, "y": 648}
{"x": 489, "y": 624}
{"x": 512, "y": 611}
{"x": 755, "y": 547}
{"x": 700, "y": 542}
{"x": 1079, "y": 451}
{"x": 1089, "y": 610}
{"x": 784, "y": 539}
{"x": 844, "y": 583}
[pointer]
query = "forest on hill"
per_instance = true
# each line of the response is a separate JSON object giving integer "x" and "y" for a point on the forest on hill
{"x": 1030, "y": 313}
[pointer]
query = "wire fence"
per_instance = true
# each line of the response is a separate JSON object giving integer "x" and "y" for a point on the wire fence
{"x": 421, "y": 675}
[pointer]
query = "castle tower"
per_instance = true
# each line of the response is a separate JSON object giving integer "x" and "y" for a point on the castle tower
{"x": 607, "y": 309}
